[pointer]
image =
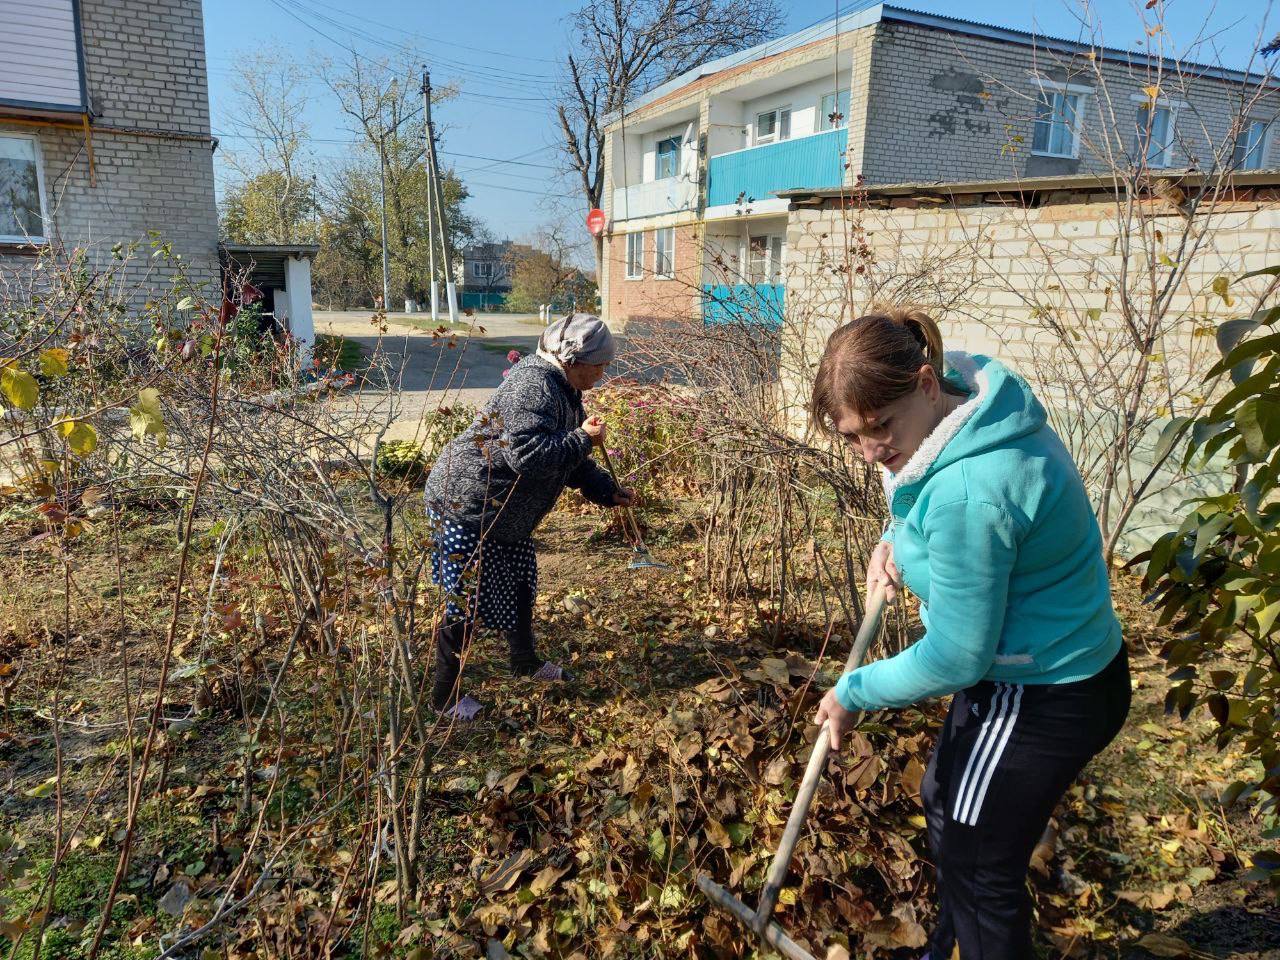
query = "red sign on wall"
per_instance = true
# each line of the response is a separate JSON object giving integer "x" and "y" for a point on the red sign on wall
{"x": 595, "y": 222}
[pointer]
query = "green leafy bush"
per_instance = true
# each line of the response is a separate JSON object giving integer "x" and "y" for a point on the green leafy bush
{"x": 401, "y": 458}
{"x": 1217, "y": 577}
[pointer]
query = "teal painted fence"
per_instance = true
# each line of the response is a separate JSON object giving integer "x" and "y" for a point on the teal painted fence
{"x": 758, "y": 304}
{"x": 759, "y": 173}
{"x": 482, "y": 301}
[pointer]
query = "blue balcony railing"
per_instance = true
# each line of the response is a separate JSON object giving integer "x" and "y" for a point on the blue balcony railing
{"x": 757, "y": 304}
{"x": 760, "y": 172}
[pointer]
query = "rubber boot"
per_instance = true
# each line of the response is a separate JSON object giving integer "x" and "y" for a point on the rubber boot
{"x": 445, "y": 687}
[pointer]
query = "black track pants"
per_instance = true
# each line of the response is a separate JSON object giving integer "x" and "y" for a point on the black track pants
{"x": 1006, "y": 755}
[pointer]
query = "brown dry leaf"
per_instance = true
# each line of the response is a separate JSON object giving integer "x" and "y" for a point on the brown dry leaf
{"x": 776, "y": 771}
{"x": 509, "y": 783}
{"x": 740, "y": 739}
{"x": 836, "y": 952}
{"x": 689, "y": 746}
{"x": 505, "y": 875}
{"x": 717, "y": 834}
{"x": 630, "y": 778}
{"x": 776, "y": 670}
{"x": 1165, "y": 945}
{"x": 912, "y": 775}
{"x": 547, "y": 878}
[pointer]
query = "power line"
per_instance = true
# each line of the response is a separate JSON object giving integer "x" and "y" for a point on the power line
{"x": 529, "y": 79}
{"x": 516, "y": 161}
{"x": 449, "y": 43}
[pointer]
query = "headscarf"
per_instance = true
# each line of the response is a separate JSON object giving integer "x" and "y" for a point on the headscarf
{"x": 577, "y": 338}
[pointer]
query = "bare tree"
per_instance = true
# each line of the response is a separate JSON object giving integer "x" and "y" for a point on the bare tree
{"x": 383, "y": 100}
{"x": 274, "y": 198}
{"x": 619, "y": 49}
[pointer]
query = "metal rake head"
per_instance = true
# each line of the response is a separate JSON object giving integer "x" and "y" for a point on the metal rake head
{"x": 642, "y": 561}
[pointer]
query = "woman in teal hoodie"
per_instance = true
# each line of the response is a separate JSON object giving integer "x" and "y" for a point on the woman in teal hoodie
{"x": 991, "y": 528}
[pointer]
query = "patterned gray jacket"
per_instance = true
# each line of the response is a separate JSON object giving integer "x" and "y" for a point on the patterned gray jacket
{"x": 504, "y": 473}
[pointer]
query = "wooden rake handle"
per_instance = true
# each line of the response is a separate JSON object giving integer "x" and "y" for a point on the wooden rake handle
{"x": 627, "y": 512}
{"x": 813, "y": 773}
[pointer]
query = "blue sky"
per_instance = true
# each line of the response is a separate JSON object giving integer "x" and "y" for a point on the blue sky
{"x": 506, "y": 55}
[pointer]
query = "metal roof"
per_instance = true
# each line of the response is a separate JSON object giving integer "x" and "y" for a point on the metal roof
{"x": 271, "y": 249}
{"x": 867, "y": 13}
{"x": 1077, "y": 183}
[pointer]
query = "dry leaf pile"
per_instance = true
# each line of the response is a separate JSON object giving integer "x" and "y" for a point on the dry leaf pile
{"x": 600, "y": 842}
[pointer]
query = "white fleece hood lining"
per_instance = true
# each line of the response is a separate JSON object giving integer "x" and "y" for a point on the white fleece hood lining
{"x": 975, "y": 378}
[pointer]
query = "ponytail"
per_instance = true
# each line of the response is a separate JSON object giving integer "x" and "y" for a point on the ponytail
{"x": 874, "y": 360}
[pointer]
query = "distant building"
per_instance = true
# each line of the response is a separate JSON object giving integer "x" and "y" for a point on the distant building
{"x": 488, "y": 270}
{"x": 694, "y": 168}
{"x": 104, "y": 131}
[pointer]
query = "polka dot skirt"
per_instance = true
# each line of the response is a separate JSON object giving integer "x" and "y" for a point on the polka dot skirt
{"x": 482, "y": 578}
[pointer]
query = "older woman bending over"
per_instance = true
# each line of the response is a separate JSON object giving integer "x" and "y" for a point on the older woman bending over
{"x": 493, "y": 484}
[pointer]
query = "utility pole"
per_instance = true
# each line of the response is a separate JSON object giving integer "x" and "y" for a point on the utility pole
{"x": 315, "y": 210}
{"x": 382, "y": 190}
{"x": 431, "y": 243}
{"x": 433, "y": 187}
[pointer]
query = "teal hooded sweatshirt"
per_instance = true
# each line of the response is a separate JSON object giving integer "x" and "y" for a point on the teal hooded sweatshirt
{"x": 993, "y": 531}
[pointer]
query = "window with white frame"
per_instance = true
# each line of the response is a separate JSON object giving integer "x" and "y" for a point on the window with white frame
{"x": 635, "y": 256}
{"x": 764, "y": 259}
{"x": 482, "y": 269}
{"x": 668, "y": 160}
{"x": 22, "y": 199}
{"x": 833, "y": 113}
{"x": 664, "y": 253}
{"x": 1059, "y": 110}
{"x": 1154, "y": 132}
{"x": 1251, "y": 146}
{"x": 773, "y": 125}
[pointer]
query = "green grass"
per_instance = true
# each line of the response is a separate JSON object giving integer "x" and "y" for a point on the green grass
{"x": 338, "y": 352}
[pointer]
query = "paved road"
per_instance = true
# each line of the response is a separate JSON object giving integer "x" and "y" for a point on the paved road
{"x": 434, "y": 374}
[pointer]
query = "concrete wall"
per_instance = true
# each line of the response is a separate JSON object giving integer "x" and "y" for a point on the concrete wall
{"x": 151, "y": 146}
{"x": 943, "y": 106}
{"x": 999, "y": 276}
{"x": 804, "y": 99}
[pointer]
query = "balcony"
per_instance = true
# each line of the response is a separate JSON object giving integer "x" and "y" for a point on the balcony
{"x": 743, "y": 304}
{"x": 760, "y": 172}
{"x": 653, "y": 198}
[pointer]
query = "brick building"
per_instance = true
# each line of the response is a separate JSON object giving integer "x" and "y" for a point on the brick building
{"x": 694, "y": 168}
{"x": 104, "y": 131}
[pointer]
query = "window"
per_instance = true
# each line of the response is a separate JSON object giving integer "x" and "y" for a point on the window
{"x": 668, "y": 158}
{"x": 22, "y": 207}
{"x": 773, "y": 125}
{"x": 635, "y": 256}
{"x": 1251, "y": 146}
{"x": 1057, "y": 126}
{"x": 834, "y": 111}
{"x": 764, "y": 259}
{"x": 664, "y": 256}
{"x": 1154, "y": 133}
{"x": 483, "y": 270}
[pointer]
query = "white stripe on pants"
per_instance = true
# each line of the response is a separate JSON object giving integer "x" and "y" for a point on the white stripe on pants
{"x": 986, "y": 752}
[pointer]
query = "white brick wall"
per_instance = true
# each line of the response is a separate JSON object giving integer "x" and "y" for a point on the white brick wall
{"x": 145, "y": 68}
{"x": 948, "y": 107}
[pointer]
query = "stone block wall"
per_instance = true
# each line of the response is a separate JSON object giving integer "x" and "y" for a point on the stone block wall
{"x": 1040, "y": 289}
{"x": 150, "y": 140}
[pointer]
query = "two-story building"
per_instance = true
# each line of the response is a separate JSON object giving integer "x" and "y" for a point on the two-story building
{"x": 487, "y": 273}
{"x": 881, "y": 95}
{"x": 104, "y": 132}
